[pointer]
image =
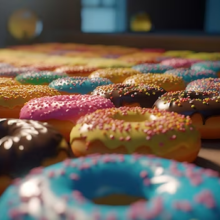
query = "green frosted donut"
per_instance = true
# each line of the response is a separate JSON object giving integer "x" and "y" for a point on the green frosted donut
{"x": 39, "y": 78}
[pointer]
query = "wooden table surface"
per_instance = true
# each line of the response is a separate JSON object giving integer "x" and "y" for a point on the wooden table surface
{"x": 209, "y": 155}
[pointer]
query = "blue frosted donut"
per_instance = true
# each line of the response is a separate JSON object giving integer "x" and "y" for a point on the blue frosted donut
{"x": 175, "y": 191}
{"x": 203, "y": 85}
{"x": 78, "y": 85}
{"x": 207, "y": 65}
{"x": 152, "y": 68}
{"x": 189, "y": 75}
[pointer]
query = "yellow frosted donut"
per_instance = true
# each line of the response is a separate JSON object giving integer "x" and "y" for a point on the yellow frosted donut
{"x": 168, "y": 82}
{"x": 12, "y": 98}
{"x": 116, "y": 75}
{"x": 127, "y": 130}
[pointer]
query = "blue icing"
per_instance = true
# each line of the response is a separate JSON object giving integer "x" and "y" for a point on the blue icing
{"x": 81, "y": 85}
{"x": 189, "y": 75}
{"x": 152, "y": 68}
{"x": 65, "y": 190}
{"x": 207, "y": 65}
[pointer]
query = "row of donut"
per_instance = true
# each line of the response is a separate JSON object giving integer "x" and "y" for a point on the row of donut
{"x": 98, "y": 127}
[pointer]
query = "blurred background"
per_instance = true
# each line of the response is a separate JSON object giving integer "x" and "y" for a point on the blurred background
{"x": 171, "y": 24}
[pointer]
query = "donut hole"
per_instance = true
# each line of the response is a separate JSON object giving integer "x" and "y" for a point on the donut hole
{"x": 134, "y": 117}
{"x": 111, "y": 187}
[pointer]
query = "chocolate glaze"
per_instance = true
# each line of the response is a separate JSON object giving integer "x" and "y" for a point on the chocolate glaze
{"x": 189, "y": 103}
{"x": 26, "y": 144}
{"x": 121, "y": 94}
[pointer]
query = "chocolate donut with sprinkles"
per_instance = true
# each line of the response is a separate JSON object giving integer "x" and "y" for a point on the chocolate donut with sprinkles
{"x": 130, "y": 95}
{"x": 130, "y": 130}
{"x": 90, "y": 188}
{"x": 27, "y": 144}
{"x": 202, "y": 107}
{"x": 78, "y": 85}
{"x": 202, "y": 85}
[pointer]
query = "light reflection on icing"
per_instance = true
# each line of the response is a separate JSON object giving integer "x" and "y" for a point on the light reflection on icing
{"x": 8, "y": 144}
{"x": 30, "y": 189}
{"x": 21, "y": 147}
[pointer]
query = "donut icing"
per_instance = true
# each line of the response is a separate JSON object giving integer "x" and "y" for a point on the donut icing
{"x": 74, "y": 70}
{"x": 80, "y": 85}
{"x": 210, "y": 65}
{"x": 26, "y": 144}
{"x": 177, "y": 62}
{"x": 133, "y": 128}
{"x": 202, "y": 85}
{"x": 39, "y": 78}
{"x": 116, "y": 75}
{"x": 189, "y": 75}
{"x": 5, "y": 81}
{"x": 152, "y": 68}
{"x": 120, "y": 94}
{"x": 63, "y": 107}
{"x": 12, "y": 72}
{"x": 66, "y": 190}
{"x": 18, "y": 95}
{"x": 168, "y": 82}
{"x": 188, "y": 103}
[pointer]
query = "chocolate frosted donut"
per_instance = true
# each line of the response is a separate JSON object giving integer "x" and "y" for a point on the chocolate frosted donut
{"x": 130, "y": 95}
{"x": 202, "y": 107}
{"x": 27, "y": 144}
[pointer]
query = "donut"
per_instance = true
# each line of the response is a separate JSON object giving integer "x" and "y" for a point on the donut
{"x": 45, "y": 67}
{"x": 178, "y": 62}
{"x": 189, "y": 75}
{"x": 152, "y": 68}
{"x": 12, "y": 72}
{"x": 116, "y": 75}
{"x": 76, "y": 70}
{"x": 77, "y": 85}
{"x": 27, "y": 144}
{"x": 12, "y": 98}
{"x": 168, "y": 82}
{"x": 100, "y": 186}
{"x": 202, "y": 85}
{"x": 204, "y": 56}
{"x": 39, "y": 78}
{"x": 139, "y": 59}
{"x": 4, "y": 65}
{"x": 133, "y": 129}
{"x": 5, "y": 81}
{"x": 208, "y": 65}
{"x": 64, "y": 110}
{"x": 130, "y": 95}
{"x": 202, "y": 107}
{"x": 178, "y": 53}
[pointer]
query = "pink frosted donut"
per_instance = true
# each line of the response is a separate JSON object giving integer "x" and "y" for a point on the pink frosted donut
{"x": 63, "y": 111}
{"x": 178, "y": 62}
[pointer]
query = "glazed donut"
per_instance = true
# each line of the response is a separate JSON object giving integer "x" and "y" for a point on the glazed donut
{"x": 130, "y": 95}
{"x": 76, "y": 70}
{"x": 168, "y": 82}
{"x": 78, "y": 85}
{"x": 202, "y": 85}
{"x": 68, "y": 190}
{"x": 189, "y": 75}
{"x": 202, "y": 107}
{"x": 39, "y": 78}
{"x": 12, "y": 98}
{"x": 128, "y": 130}
{"x": 63, "y": 111}
{"x": 208, "y": 65}
{"x": 12, "y": 72}
{"x": 5, "y": 81}
{"x": 116, "y": 75}
{"x": 152, "y": 68}
{"x": 178, "y": 62}
{"x": 25, "y": 145}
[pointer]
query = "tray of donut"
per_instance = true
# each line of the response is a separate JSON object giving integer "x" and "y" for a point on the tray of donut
{"x": 95, "y": 132}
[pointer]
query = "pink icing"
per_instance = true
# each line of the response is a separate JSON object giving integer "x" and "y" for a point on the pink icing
{"x": 178, "y": 62}
{"x": 63, "y": 107}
